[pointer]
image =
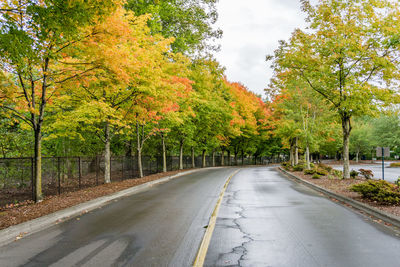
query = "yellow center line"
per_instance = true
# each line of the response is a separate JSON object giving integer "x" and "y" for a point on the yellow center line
{"x": 201, "y": 254}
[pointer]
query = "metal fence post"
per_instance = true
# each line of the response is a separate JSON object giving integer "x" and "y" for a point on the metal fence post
{"x": 383, "y": 163}
{"x": 135, "y": 166}
{"x": 59, "y": 175}
{"x": 122, "y": 177}
{"x": 150, "y": 167}
{"x": 80, "y": 171}
{"x": 97, "y": 169}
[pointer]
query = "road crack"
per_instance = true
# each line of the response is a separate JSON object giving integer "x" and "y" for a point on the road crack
{"x": 240, "y": 250}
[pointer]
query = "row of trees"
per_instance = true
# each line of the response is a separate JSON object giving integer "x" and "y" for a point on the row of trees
{"x": 345, "y": 65}
{"x": 369, "y": 133}
{"x": 109, "y": 77}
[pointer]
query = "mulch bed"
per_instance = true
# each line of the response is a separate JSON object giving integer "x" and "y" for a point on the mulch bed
{"x": 352, "y": 162}
{"x": 341, "y": 187}
{"x": 13, "y": 214}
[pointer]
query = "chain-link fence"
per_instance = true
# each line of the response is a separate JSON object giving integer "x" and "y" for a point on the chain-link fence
{"x": 66, "y": 174}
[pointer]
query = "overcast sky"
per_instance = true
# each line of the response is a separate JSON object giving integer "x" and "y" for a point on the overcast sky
{"x": 252, "y": 30}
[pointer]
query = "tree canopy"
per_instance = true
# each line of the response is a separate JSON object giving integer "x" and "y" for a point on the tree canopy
{"x": 349, "y": 55}
{"x": 116, "y": 78}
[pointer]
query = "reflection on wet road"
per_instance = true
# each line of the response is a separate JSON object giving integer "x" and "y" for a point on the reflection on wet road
{"x": 159, "y": 227}
{"x": 264, "y": 220}
{"x": 267, "y": 220}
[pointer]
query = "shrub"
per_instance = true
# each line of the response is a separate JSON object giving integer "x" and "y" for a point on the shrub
{"x": 397, "y": 182}
{"x": 309, "y": 172}
{"x": 22, "y": 185}
{"x": 353, "y": 174}
{"x": 312, "y": 165}
{"x": 366, "y": 173}
{"x": 304, "y": 163}
{"x": 337, "y": 173}
{"x": 298, "y": 168}
{"x": 325, "y": 167}
{"x": 322, "y": 172}
{"x": 395, "y": 164}
{"x": 316, "y": 176}
{"x": 380, "y": 191}
{"x": 286, "y": 166}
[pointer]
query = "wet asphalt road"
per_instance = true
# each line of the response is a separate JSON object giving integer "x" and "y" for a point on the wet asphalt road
{"x": 163, "y": 226}
{"x": 264, "y": 220}
{"x": 267, "y": 220}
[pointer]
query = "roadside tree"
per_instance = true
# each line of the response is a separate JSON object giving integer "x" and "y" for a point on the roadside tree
{"x": 349, "y": 56}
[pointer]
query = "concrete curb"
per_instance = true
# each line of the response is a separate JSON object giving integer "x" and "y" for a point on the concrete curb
{"x": 18, "y": 231}
{"x": 384, "y": 216}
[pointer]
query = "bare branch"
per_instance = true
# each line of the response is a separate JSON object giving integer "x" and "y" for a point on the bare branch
{"x": 90, "y": 93}
{"x": 76, "y": 75}
{"x": 14, "y": 10}
{"x": 370, "y": 74}
{"x": 19, "y": 115}
{"x": 24, "y": 89}
{"x": 317, "y": 90}
{"x": 76, "y": 41}
{"x": 126, "y": 98}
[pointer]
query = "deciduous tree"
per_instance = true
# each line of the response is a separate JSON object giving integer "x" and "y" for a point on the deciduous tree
{"x": 33, "y": 37}
{"x": 348, "y": 55}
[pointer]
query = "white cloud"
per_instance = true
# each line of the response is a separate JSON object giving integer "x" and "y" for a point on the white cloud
{"x": 252, "y": 30}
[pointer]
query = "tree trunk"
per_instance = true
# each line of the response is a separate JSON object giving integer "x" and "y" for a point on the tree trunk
{"x": 346, "y": 129}
{"x": 236, "y": 159}
{"x": 291, "y": 155}
{"x": 307, "y": 156}
{"x": 128, "y": 151}
{"x": 229, "y": 158}
{"x": 357, "y": 154}
{"x": 203, "y": 159}
{"x": 222, "y": 157}
{"x": 213, "y": 158}
{"x": 296, "y": 151}
{"x": 242, "y": 157}
{"x": 107, "y": 155}
{"x": 37, "y": 127}
{"x": 38, "y": 197}
{"x": 193, "y": 158}
{"x": 181, "y": 155}
{"x": 139, "y": 151}
{"x": 139, "y": 161}
{"x": 164, "y": 153}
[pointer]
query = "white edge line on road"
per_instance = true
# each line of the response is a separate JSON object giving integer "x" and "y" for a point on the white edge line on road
{"x": 205, "y": 243}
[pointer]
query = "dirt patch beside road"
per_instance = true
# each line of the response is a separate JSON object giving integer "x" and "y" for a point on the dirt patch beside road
{"x": 352, "y": 162}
